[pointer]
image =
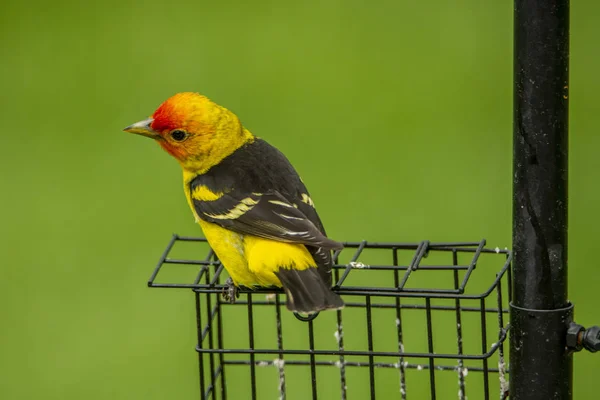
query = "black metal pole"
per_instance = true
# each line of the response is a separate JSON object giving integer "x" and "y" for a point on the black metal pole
{"x": 540, "y": 366}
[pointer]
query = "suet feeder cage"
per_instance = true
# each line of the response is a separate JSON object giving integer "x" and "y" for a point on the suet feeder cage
{"x": 396, "y": 324}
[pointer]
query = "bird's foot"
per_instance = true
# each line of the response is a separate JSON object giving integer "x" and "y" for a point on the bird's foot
{"x": 230, "y": 293}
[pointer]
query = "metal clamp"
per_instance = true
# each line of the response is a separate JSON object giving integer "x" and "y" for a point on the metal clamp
{"x": 579, "y": 338}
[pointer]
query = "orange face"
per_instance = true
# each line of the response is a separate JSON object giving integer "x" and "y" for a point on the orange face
{"x": 183, "y": 122}
{"x": 192, "y": 128}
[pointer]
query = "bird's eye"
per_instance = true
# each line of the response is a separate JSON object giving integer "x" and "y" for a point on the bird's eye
{"x": 179, "y": 135}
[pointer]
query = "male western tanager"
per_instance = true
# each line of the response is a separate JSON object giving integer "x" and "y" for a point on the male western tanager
{"x": 250, "y": 202}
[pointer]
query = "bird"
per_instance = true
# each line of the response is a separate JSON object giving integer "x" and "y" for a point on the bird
{"x": 252, "y": 206}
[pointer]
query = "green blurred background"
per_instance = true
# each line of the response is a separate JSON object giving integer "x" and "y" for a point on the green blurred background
{"x": 396, "y": 113}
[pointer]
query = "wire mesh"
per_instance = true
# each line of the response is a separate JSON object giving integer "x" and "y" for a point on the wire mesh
{"x": 417, "y": 321}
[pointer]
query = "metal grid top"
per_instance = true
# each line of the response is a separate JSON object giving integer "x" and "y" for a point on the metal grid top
{"x": 343, "y": 271}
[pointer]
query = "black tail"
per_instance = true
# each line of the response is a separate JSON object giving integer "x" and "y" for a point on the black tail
{"x": 306, "y": 291}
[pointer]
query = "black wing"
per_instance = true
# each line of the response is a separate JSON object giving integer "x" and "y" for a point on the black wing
{"x": 268, "y": 215}
{"x": 258, "y": 167}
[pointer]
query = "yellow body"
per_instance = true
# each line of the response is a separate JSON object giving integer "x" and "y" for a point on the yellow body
{"x": 249, "y": 260}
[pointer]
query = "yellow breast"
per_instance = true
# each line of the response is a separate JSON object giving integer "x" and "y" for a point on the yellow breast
{"x": 229, "y": 247}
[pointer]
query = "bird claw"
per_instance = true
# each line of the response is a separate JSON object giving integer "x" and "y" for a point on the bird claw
{"x": 230, "y": 293}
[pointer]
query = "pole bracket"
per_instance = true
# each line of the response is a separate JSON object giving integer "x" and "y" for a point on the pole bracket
{"x": 539, "y": 349}
{"x": 579, "y": 338}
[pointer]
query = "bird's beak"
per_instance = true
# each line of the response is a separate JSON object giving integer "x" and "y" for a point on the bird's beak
{"x": 143, "y": 128}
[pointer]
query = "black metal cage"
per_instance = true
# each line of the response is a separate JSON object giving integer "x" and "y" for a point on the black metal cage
{"x": 422, "y": 315}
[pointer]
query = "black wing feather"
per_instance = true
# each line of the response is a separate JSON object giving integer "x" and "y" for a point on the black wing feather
{"x": 269, "y": 216}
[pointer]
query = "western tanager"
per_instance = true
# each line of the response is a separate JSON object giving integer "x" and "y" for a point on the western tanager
{"x": 250, "y": 202}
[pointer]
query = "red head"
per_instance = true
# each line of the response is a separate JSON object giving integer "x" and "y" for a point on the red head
{"x": 194, "y": 130}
